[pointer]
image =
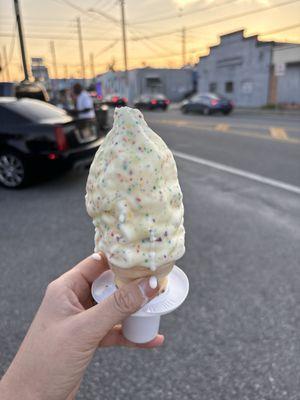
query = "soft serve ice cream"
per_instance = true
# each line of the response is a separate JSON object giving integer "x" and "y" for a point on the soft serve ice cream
{"x": 134, "y": 198}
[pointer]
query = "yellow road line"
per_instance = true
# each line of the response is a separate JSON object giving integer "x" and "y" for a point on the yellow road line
{"x": 234, "y": 125}
{"x": 238, "y": 133}
{"x": 222, "y": 127}
{"x": 278, "y": 133}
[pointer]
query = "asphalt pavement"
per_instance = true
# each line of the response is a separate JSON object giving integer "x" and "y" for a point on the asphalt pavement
{"x": 237, "y": 335}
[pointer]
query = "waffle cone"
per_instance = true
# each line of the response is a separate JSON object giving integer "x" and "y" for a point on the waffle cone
{"x": 127, "y": 275}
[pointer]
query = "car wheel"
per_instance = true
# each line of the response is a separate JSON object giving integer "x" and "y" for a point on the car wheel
{"x": 184, "y": 110}
{"x": 227, "y": 112}
{"x": 206, "y": 111}
{"x": 13, "y": 170}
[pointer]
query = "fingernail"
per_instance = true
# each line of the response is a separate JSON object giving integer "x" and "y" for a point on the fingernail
{"x": 153, "y": 282}
{"x": 96, "y": 256}
{"x": 147, "y": 291}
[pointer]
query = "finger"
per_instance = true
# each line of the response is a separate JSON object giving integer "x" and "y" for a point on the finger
{"x": 80, "y": 277}
{"x": 122, "y": 303}
{"x": 115, "y": 338}
{"x": 91, "y": 267}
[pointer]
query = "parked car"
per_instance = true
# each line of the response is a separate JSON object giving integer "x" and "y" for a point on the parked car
{"x": 152, "y": 102}
{"x": 207, "y": 103}
{"x": 114, "y": 100}
{"x": 36, "y": 136}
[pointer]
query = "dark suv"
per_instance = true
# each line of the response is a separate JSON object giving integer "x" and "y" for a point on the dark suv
{"x": 36, "y": 136}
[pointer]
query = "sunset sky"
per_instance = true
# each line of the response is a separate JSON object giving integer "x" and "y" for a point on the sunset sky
{"x": 153, "y": 30}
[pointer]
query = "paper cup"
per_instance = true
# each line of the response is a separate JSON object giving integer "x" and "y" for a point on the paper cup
{"x": 143, "y": 326}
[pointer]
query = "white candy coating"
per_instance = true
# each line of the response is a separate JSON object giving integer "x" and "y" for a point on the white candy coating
{"x": 133, "y": 196}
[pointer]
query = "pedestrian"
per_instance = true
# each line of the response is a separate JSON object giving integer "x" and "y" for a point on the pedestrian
{"x": 83, "y": 103}
{"x": 64, "y": 100}
{"x": 67, "y": 330}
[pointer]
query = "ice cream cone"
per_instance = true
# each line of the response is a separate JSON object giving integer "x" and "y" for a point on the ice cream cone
{"x": 127, "y": 275}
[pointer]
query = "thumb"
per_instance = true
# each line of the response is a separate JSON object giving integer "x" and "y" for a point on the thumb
{"x": 121, "y": 304}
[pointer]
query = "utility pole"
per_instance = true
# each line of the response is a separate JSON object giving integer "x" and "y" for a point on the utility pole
{"x": 122, "y": 3}
{"x": 53, "y": 55}
{"x": 66, "y": 71}
{"x": 92, "y": 65}
{"x": 81, "y": 48}
{"x": 6, "y": 63}
{"x": 1, "y": 64}
{"x": 183, "y": 42}
{"x": 22, "y": 44}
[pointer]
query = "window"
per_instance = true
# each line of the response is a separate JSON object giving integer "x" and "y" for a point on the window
{"x": 229, "y": 87}
{"x": 213, "y": 87}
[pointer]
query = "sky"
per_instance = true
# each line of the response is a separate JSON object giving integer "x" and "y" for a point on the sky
{"x": 153, "y": 29}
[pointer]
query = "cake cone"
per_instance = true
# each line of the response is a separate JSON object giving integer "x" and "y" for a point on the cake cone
{"x": 124, "y": 276}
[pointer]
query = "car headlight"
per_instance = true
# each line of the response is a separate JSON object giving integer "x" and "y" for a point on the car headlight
{"x": 104, "y": 107}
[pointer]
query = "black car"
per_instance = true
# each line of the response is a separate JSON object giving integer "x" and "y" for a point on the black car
{"x": 115, "y": 100}
{"x": 152, "y": 102}
{"x": 36, "y": 136}
{"x": 207, "y": 103}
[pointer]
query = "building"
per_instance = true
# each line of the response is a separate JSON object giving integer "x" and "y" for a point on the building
{"x": 39, "y": 70}
{"x": 285, "y": 74}
{"x": 245, "y": 70}
{"x": 174, "y": 83}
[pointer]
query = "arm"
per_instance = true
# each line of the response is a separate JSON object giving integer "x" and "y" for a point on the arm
{"x": 67, "y": 330}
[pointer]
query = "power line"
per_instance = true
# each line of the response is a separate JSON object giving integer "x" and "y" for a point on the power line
{"x": 218, "y": 20}
{"x": 147, "y": 42}
{"x": 105, "y": 49}
{"x": 60, "y": 37}
{"x": 287, "y": 28}
{"x": 207, "y": 8}
{"x": 103, "y": 14}
{"x": 10, "y": 49}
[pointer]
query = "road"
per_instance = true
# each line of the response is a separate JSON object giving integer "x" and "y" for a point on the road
{"x": 237, "y": 335}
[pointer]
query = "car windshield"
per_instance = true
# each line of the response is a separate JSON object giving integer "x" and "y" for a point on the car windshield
{"x": 35, "y": 110}
{"x": 210, "y": 95}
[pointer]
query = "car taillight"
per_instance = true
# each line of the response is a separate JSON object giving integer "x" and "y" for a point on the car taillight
{"x": 214, "y": 102}
{"x": 153, "y": 101}
{"x": 115, "y": 99}
{"x": 52, "y": 156}
{"x": 167, "y": 101}
{"x": 61, "y": 139}
{"x": 124, "y": 99}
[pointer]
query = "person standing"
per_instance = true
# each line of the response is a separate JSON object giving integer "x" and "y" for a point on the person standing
{"x": 83, "y": 103}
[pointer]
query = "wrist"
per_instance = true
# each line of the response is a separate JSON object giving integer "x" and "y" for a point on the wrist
{"x": 12, "y": 386}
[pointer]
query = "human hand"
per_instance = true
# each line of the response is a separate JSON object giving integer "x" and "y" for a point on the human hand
{"x": 67, "y": 330}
